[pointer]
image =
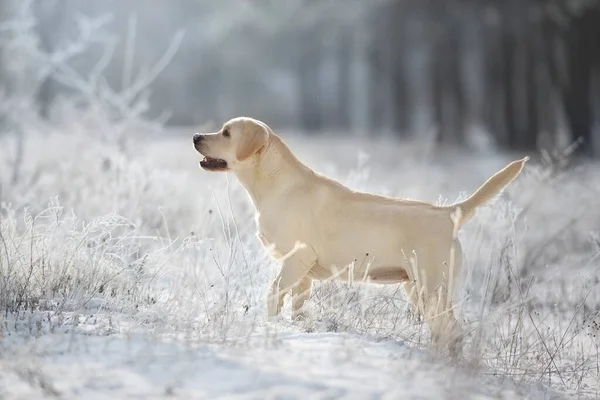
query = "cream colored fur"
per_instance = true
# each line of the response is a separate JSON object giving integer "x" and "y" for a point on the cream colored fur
{"x": 320, "y": 229}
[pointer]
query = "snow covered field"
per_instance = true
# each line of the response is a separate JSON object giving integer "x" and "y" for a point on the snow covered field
{"x": 128, "y": 272}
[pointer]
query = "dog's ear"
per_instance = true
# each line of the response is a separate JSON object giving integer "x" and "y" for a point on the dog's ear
{"x": 254, "y": 137}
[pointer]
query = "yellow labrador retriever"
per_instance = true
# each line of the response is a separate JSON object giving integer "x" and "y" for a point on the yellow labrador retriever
{"x": 319, "y": 229}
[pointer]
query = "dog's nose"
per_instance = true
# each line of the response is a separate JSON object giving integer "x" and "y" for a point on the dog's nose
{"x": 197, "y": 138}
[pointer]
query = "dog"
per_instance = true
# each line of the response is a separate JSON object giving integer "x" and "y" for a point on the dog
{"x": 319, "y": 229}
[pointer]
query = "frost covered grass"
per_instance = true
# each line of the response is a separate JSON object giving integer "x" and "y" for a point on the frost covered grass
{"x": 97, "y": 239}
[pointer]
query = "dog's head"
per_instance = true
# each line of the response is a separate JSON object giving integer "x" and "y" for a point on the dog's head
{"x": 235, "y": 145}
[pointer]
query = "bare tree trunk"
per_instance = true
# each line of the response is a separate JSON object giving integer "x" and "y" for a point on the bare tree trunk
{"x": 526, "y": 110}
{"x": 7, "y": 12}
{"x": 533, "y": 78}
{"x": 311, "y": 119}
{"x": 494, "y": 101}
{"x": 448, "y": 97}
{"x": 343, "y": 82}
{"x": 377, "y": 89}
{"x": 518, "y": 78}
{"x": 389, "y": 38}
{"x": 582, "y": 42}
{"x": 359, "y": 97}
{"x": 10, "y": 81}
{"x": 399, "y": 87}
{"x": 547, "y": 92}
{"x": 50, "y": 15}
{"x": 472, "y": 71}
{"x": 508, "y": 60}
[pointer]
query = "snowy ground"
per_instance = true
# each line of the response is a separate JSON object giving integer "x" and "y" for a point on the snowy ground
{"x": 292, "y": 365}
{"x": 143, "y": 279}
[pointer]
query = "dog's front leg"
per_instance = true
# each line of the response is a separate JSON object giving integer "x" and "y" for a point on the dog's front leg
{"x": 292, "y": 277}
{"x": 300, "y": 293}
{"x": 275, "y": 298}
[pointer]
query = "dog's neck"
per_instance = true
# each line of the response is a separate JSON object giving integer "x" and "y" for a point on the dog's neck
{"x": 275, "y": 169}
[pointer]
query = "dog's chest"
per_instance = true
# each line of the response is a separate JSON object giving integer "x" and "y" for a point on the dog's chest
{"x": 277, "y": 235}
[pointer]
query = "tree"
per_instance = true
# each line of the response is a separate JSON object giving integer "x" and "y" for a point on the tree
{"x": 581, "y": 41}
{"x": 51, "y": 14}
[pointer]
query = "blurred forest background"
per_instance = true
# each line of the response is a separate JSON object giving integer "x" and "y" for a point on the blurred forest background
{"x": 510, "y": 74}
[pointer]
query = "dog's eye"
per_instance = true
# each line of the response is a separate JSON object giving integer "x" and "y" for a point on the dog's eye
{"x": 226, "y": 133}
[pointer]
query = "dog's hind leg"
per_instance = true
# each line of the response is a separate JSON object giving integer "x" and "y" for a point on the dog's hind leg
{"x": 439, "y": 316}
{"x": 434, "y": 304}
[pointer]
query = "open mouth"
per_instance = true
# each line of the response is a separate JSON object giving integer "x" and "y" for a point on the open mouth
{"x": 213, "y": 164}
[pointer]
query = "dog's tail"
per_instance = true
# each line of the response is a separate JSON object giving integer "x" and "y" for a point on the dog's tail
{"x": 490, "y": 189}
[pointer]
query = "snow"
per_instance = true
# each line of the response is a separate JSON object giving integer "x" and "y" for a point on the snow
{"x": 293, "y": 365}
